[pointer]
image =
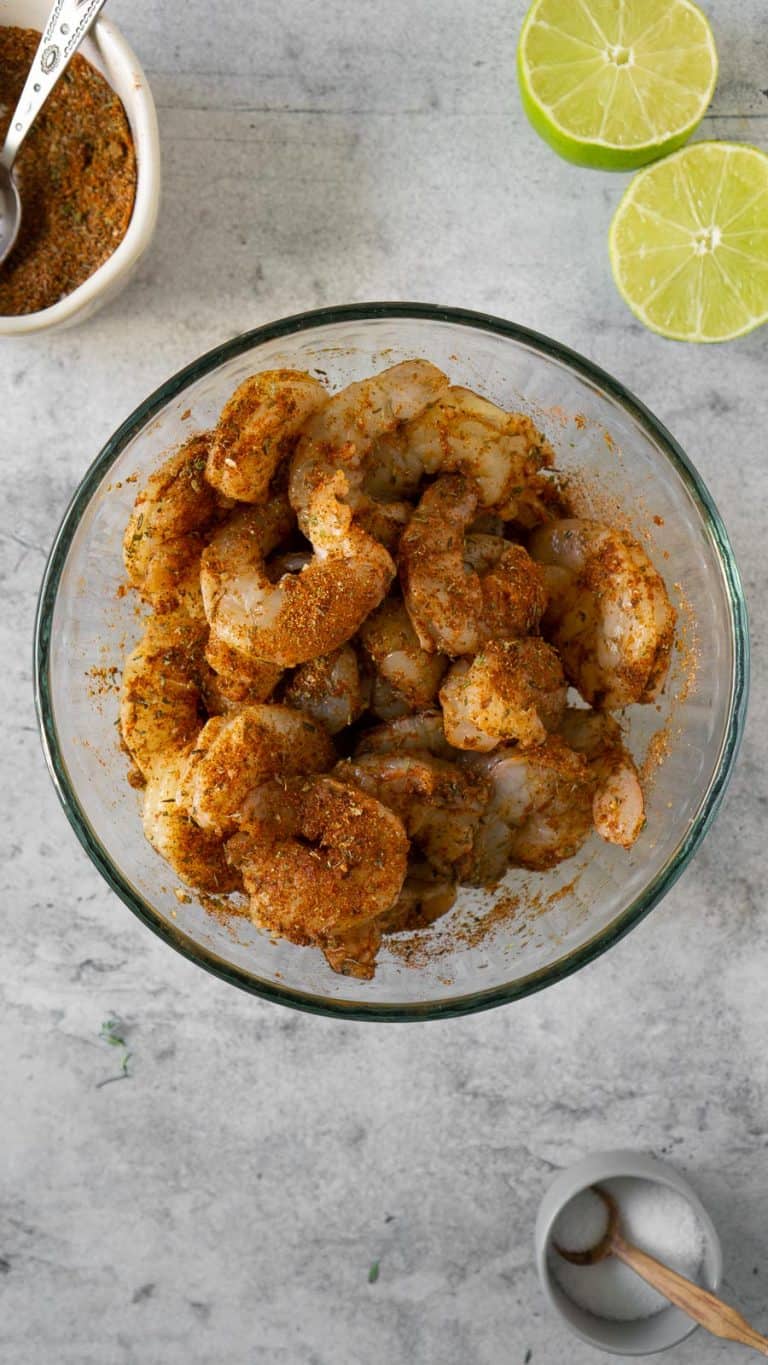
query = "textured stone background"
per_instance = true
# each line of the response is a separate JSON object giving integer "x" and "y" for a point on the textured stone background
{"x": 225, "y": 1202}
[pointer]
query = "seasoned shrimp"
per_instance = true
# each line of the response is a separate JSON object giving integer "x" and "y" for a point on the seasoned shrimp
{"x": 268, "y": 549}
{"x": 352, "y": 952}
{"x": 453, "y": 605}
{"x": 426, "y": 896}
{"x": 234, "y": 755}
{"x": 318, "y": 858}
{"x": 462, "y": 433}
{"x": 540, "y": 810}
{"x": 327, "y": 474}
{"x": 160, "y": 701}
{"x": 609, "y": 615}
{"x": 513, "y": 690}
{"x": 393, "y": 647}
{"x": 319, "y": 609}
{"x": 386, "y": 702}
{"x": 235, "y": 679}
{"x": 330, "y": 689}
{"x": 483, "y": 549}
{"x": 514, "y": 597}
{"x": 383, "y": 521}
{"x": 196, "y": 855}
{"x": 443, "y": 600}
{"x": 303, "y": 614}
{"x": 393, "y": 471}
{"x": 438, "y": 803}
{"x": 422, "y": 733}
{"x": 540, "y": 501}
{"x": 618, "y": 807}
{"x": 337, "y": 441}
{"x": 257, "y": 430}
{"x": 163, "y": 540}
{"x": 561, "y": 818}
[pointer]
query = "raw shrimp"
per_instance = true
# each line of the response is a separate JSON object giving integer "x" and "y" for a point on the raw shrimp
{"x": 353, "y": 952}
{"x": 337, "y": 441}
{"x": 257, "y": 430}
{"x": 438, "y": 803}
{"x": 319, "y": 609}
{"x": 393, "y": 647}
{"x": 303, "y": 614}
{"x": 196, "y": 855}
{"x": 160, "y": 701}
{"x": 485, "y": 525}
{"x": 514, "y": 597}
{"x": 233, "y": 755}
{"x": 455, "y": 607}
{"x": 609, "y": 615}
{"x": 483, "y": 549}
{"x": 443, "y": 600}
{"x": 513, "y": 690}
{"x": 426, "y": 896}
{"x": 618, "y": 807}
{"x": 163, "y": 540}
{"x": 462, "y": 433}
{"x": 330, "y": 689}
{"x": 540, "y": 810}
{"x": 422, "y": 733}
{"x": 161, "y": 717}
{"x": 540, "y": 501}
{"x": 235, "y": 679}
{"x": 479, "y": 765}
{"x": 318, "y": 858}
{"x": 343, "y": 523}
{"x": 384, "y": 521}
{"x": 386, "y": 702}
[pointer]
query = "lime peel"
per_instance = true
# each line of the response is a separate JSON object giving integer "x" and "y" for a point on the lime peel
{"x": 595, "y": 90}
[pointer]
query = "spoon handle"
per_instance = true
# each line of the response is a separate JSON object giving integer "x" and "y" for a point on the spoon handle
{"x": 705, "y": 1308}
{"x": 67, "y": 25}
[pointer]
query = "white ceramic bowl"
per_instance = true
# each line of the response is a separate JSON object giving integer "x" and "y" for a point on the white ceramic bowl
{"x": 642, "y": 1336}
{"x": 106, "y": 49}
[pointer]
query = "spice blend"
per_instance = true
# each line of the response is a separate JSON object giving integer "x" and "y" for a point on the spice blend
{"x": 76, "y": 174}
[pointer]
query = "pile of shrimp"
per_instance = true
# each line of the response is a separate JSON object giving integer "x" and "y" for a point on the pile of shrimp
{"x": 368, "y": 614}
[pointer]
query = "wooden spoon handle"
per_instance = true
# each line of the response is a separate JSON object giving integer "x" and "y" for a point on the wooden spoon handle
{"x": 705, "y": 1308}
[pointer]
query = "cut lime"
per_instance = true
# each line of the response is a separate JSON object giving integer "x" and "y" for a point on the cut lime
{"x": 689, "y": 243}
{"x": 614, "y": 84}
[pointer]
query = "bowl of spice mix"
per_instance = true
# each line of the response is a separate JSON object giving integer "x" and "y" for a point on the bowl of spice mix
{"x": 88, "y": 174}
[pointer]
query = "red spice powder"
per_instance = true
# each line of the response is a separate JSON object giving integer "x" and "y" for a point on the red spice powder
{"x": 76, "y": 174}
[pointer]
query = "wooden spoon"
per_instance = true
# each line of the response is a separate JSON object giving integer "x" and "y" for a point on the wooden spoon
{"x": 705, "y": 1308}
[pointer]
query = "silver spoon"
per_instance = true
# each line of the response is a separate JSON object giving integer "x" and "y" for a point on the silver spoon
{"x": 68, "y": 23}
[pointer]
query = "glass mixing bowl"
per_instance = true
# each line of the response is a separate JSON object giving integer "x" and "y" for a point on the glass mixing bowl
{"x": 549, "y": 924}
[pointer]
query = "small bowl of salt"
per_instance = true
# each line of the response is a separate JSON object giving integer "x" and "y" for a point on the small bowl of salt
{"x": 607, "y": 1304}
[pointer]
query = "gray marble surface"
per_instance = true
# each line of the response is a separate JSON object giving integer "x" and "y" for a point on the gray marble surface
{"x": 225, "y": 1202}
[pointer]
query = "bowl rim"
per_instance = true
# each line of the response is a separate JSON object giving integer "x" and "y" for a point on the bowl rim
{"x": 690, "y": 839}
{"x": 142, "y": 115}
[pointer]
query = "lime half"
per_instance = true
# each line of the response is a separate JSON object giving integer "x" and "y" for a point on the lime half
{"x": 614, "y": 84}
{"x": 689, "y": 243}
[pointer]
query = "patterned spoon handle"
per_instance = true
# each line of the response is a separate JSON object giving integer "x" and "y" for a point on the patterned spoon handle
{"x": 67, "y": 25}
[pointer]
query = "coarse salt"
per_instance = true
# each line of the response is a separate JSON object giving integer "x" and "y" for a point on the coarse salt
{"x": 653, "y": 1217}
